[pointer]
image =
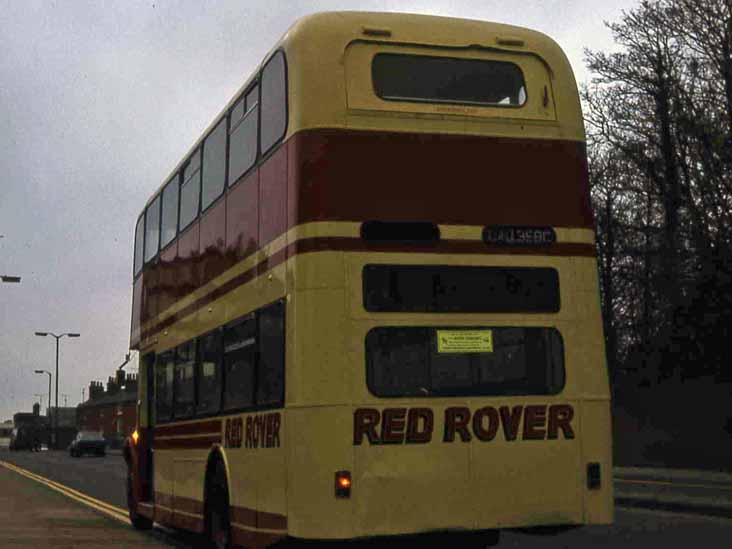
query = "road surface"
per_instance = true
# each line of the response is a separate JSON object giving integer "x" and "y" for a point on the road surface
{"x": 103, "y": 478}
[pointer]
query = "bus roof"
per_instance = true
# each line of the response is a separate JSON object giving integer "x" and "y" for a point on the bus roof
{"x": 320, "y": 40}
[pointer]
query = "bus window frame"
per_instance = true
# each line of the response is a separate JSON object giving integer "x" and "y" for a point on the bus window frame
{"x": 274, "y": 147}
{"x": 174, "y": 180}
{"x": 225, "y": 120}
{"x": 156, "y": 365}
{"x": 182, "y": 182}
{"x": 449, "y": 102}
{"x": 222, "y": 410}
{"x": 464, "y": 395}
{"x": 233, "y": 127}
{"x": 137, "y": 272}
{"x": 197, "y": 371}
{"x": 146, "y": 262}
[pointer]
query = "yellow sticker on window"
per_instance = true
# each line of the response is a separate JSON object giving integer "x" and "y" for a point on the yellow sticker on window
{"x": 464, "y": 341}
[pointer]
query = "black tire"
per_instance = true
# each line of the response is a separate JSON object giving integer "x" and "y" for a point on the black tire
{"x": 138, "y": 521}
{"x": 218, "y": 522}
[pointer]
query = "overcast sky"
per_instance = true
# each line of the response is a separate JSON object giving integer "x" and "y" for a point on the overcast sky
{"x": 98, "y": 102}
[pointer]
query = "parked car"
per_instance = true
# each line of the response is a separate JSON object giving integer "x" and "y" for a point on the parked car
{"x": 88, "y": 442}
{"x": 25, "y": 438}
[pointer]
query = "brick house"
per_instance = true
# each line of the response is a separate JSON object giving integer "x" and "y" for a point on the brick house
{"x": 111, "y": 411}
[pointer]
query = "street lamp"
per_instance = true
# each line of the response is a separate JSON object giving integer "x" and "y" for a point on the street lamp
{"x": 55, "y": 416}
{"x": 49, "y": 389}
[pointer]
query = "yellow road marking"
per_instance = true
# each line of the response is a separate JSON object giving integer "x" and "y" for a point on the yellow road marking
{"x": 101, "y": 506}
{"x": 667, "y": 483}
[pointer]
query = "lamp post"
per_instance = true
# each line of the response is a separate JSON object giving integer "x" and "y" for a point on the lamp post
{"x": 55, "y": 415}
{"x": 49, "y": 389}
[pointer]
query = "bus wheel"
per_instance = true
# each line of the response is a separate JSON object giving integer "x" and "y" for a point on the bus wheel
{"x": 217, "y": 509}
{"x": 138, "y": 521}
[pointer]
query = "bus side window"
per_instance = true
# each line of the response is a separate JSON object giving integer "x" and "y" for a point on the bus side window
{"x": 190, "y": 190}
{"x": 209, "y": 374}
{"x": 274, "y": 102}
{"x": 185, "y": 361}
{"x": 271, "y": 366}
{"x": 214, "y": 165}
{"x": 243, "y": 135}
{"x": 169, "y": 216}
{"x": 139, "y": 243}
{"x": 164, "y": 386}
{"x": 152, "y": 229}
{"x": 240, "y": 357}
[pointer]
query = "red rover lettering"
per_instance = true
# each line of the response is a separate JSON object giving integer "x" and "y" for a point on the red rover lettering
{"x": 415, "y": 425}
{"x": 398, "y": 425}
{"x": 263, "y": 431}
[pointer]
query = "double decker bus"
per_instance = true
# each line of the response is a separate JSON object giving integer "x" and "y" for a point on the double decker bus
{"x": 366, "y": 301}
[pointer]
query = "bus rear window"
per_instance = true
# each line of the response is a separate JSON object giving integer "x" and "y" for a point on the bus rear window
{"x": 460, "y": 289}
{"x": 431, "y": 79}
{"x": 441, "y": 361}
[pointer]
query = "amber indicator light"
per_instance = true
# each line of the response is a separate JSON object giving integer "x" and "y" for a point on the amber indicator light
{"x": 343, "y": 484}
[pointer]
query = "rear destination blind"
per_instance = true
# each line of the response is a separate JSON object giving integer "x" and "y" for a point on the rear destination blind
{"x": 433, "y": 79}
{"x": 443, "y": 288}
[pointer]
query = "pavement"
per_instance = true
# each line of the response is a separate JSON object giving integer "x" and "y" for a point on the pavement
{"x": 690, "y": 491}
{"x": 35, "y": 515}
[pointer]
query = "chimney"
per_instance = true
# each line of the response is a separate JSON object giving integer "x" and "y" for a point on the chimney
{"x": 120, "y": 377}
{"x": 95, "y": 390}
{"x": 112, "y": 386}
{"x": 131, "y": 383}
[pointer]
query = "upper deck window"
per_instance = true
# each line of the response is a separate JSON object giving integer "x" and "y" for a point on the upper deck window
{"x": 243, "y": 135}
{"x": 214, "y": 165}
{"x": 190, "y": 190}
{"x": 274, "y": 102}
{"x": 152, "y": 229}
{"x": 139, "y": 239}
{"x": 169, "y": 223}
{"x": 429, "y": 79}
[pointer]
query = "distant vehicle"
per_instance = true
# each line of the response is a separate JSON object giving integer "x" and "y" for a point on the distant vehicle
{"x": 24, "y": 438}
{"x": 88, "y": 442}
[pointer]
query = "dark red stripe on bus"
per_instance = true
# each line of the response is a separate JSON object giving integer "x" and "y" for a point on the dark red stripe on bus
{"x": 245, "y": 516}
{"x": 187, "y": 443}
{"x": 168, "y": 511}
{"x": 198, "y": 428}
{"x": 166, "y": 500}
{"x": 188, "y": 505}
{"x": 349, "y": 244}
{"x": 339, "y": 175}
{"x": 186, "y": 522}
